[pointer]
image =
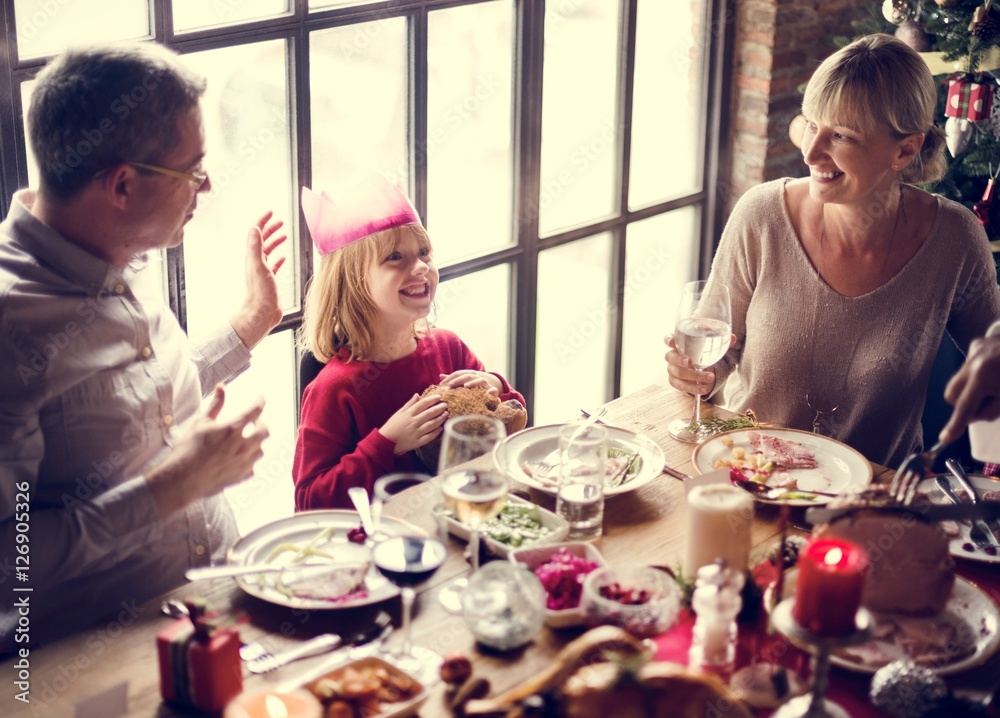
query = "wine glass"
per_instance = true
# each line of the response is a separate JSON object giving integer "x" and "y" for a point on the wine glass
{"x": 408, "y": 561}
{"x": 390, "y": 485}
{"x": 474, "y": 495}
{"x": 702, "y": 333}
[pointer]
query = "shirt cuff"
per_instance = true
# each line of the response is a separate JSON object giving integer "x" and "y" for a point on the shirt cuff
{"x": 220, "y": 357}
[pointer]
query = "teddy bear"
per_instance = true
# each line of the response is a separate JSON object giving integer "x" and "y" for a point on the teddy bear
{"x": 462, "y": 401}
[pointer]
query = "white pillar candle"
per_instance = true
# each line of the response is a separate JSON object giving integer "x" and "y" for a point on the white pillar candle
{"x": 719, "y": 519}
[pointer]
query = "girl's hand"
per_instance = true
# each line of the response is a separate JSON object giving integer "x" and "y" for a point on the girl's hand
{"x": 682, "y": 375}
{"x": 471, "y": 379}
{"x": 416, "y": 423}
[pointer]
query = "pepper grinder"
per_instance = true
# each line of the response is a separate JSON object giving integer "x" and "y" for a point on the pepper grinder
{"x": 716, "y": 602}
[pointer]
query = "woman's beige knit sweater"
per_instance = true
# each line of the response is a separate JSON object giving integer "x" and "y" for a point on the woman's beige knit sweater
{"x": 870, "y": 356}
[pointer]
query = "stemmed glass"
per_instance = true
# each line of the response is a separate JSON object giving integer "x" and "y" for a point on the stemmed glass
{"x": 475, "y": 495}
{"x": 408, "y": 561}
{"x": 702, "y": 333}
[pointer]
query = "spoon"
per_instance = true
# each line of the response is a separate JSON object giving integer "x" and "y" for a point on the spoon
{"x": 763, "y": 491}
{"x": 360, "y": 498}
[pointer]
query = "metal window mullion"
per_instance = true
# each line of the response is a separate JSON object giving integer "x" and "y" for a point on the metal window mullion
{"x": 529, "y": 37}
{"x": 626, "y": 82}
{"x": 417, "y": 124}
{"x": 717, "y": 81}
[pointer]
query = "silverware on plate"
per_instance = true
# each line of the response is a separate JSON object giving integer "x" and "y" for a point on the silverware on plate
{"x": 980, "y": 534}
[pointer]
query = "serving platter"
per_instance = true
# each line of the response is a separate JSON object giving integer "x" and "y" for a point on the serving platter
{"x": 529, "y": 448}
{"x": 960, "y": 545}
{"x": 969, "y": 609}
{"x": 327, "y": 532}
{"x": 840, "y": 469}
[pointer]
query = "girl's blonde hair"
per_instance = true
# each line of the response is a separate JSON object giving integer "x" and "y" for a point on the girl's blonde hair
{"x": 339, "y": 312}
{"x": 879, "y": 81}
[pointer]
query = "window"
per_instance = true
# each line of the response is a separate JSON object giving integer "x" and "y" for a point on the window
{"x": 563, "y": 156}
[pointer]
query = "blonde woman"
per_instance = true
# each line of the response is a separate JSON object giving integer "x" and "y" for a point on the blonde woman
{"x": 844, "y": 282}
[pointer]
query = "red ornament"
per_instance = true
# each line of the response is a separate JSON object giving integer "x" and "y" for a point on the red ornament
{"x": 970, "y": 97}
{"x": 982, "y": 207}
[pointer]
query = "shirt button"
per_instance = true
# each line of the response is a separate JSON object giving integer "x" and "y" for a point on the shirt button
{"x": 146, "y": 352}
{"x": 199, "y": 550}
{"x": 119, "y": 289}
{"x": 168, "y": 419}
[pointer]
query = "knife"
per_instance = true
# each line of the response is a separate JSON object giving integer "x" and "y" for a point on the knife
{"x": 980, "y": 531}
{"x": 931, "y": 512}
{"x": 304, "y": 570}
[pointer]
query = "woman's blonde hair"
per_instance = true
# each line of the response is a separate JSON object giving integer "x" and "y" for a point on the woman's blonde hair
{"x": 879, "y": 81}
{"x": 339, "y": 312}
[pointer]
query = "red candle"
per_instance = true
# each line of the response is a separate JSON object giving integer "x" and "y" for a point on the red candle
{"x": 828, "y": 591}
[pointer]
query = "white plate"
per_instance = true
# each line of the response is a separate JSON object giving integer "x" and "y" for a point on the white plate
{"x": 959, "y": 545}
{"x": 840, "y": 469}
{"x": 530, "y": 446}
{"x": 969, "y": 609}
{"x": 557, "y": 525}
{"x": 300, "y": 529}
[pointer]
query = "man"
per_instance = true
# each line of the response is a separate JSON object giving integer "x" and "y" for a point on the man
{"x": 109, "y": 474}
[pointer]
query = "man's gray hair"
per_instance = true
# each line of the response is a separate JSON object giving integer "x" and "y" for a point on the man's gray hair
{"x": 97, "y": 107}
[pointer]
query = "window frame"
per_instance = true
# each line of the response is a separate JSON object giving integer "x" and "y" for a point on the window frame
{"x": 522, "y": 256}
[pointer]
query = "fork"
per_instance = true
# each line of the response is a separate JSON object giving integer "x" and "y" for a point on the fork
{"x": 552, "y": 459}
{"x": 267, "y": 662}
{"x": 911, "y": 471}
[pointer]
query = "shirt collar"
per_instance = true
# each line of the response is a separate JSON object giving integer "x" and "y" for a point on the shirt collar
{"x": 48, "y": 246}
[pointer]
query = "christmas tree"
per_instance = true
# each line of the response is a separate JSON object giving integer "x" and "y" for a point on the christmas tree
{"x": 960, "y": 40}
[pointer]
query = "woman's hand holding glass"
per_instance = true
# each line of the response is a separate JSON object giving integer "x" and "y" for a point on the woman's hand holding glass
{"x": 702, "y": 336}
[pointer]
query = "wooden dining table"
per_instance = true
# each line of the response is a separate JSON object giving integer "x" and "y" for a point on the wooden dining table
{"x": 115, "y": 662}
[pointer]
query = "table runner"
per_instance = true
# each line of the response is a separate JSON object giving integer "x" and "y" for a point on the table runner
{"x": 847, "y": 688}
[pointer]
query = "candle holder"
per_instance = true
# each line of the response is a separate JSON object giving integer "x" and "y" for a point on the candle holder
{"x": 814, "y": 705}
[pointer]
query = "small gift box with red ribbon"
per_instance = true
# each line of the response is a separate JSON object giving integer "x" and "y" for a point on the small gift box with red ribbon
{"x": 970, "y": 96}
{"x": 199, "y": 662}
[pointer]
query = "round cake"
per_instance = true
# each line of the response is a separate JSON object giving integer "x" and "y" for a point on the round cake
{"x": 909, "y": 568}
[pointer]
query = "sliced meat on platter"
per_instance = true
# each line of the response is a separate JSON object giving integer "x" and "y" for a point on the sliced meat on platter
{"x": 782, "y": 452}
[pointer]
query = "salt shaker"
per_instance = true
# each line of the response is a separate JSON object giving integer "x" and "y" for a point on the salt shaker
{"x": 716, "y": 602}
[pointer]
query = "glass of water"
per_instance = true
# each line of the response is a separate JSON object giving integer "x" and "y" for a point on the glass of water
{"x": 583, "y": 454}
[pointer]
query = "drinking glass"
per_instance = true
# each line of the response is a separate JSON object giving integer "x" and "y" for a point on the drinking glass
{"x": 408, "y": 561}
{"x": 474, "y": 496}
{"x": 468, "y": 437}
{"x": 390, "y": 485}
{"x": 702, "y": 333}
{"x": 583, "y": 453}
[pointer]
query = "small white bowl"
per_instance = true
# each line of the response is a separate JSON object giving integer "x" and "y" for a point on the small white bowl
{"x": 656, "y": 614}
{"x": 535, "y": 556}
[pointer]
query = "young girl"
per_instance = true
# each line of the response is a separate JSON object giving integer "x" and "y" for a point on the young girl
{"x": 366, "y": 319}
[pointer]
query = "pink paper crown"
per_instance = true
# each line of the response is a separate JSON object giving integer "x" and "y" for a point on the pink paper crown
{"x": 367, "y": 208}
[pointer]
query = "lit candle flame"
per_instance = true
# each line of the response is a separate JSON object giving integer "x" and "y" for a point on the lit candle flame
{"x": 834, "y": 556}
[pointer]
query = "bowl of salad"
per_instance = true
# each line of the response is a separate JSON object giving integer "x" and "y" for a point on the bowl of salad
{"x": 519, "y": 524}
{"x": 562, "y": 568}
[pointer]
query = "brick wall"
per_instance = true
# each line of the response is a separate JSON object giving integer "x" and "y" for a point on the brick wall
{"x": 777, "y": 46}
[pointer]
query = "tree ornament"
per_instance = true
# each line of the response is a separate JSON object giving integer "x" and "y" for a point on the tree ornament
{"x": 912, "y": 33}
{"x": 983, "y": 206}
{"x": 905, "y": 690}
{"x": 985, "y": 23}
{"x": 970, "y": 96}
{"x": 944, "y": 3}
{"x": 957, "y": 133}
{"x": 897, "y": 11}
{"x": 796, "y": 129}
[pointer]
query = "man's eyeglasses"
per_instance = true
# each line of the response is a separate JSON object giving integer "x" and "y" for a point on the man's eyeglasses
{"x": 196, "y": 178}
